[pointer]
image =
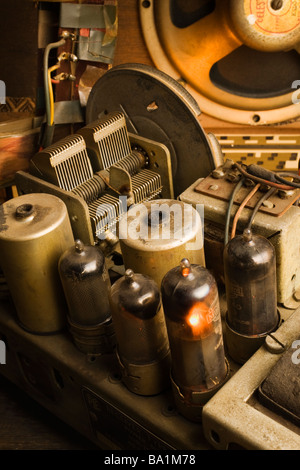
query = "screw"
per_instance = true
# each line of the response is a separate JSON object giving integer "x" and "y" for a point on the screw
{"x": 274, "y": 345}
{"x": 218, "y": 173}
{"x": 285, "y": 194}
{"x": 276, "y": 4}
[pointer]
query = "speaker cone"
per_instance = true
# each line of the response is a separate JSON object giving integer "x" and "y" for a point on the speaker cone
{"x": 238, "y": 58}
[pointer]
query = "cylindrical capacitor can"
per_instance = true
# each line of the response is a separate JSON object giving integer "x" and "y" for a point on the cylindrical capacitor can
{"x": 86, "y": 285}
{"x": 250, "y": 280}
{"x": 35, "y": 230}
{"x": 199, "y": 366}
{"x": 155, "y": 234}
{"x": 141, "y": 335}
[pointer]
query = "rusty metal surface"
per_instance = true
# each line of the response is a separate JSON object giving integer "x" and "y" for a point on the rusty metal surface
{"x": 90, "y": 397}
{"x": 282, "y": 231}
{"x": 222, "y": 189}
{"x": 77, "y": 207}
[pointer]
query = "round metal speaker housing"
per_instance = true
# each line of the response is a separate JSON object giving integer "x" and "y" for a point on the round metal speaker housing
{"x": 190, "y": 41}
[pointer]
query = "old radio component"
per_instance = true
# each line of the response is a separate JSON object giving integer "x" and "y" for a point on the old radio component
{"x": 142, "y": 341}
{"x": 130, "y": 168}
{"x": 227, "y": 52}
{"x": 86, "y": 285}
{"x": 236, "y": 417}
{"x": 159, "y": 108}
{"x": 191, "y": 306}
{"x": 35, "y": 231}
{"x": 155, "y": 235}
{"x": 91, "y": 398}
{"x": 103, "y": 168}
{"x": 250, "y": 279}
{"x": 281, "y": 388}
{"x": 57, "y": 375}
{"x": 277, "y": 219}
{"x": 235, "y": 89}
{"x": 91, "y": 176}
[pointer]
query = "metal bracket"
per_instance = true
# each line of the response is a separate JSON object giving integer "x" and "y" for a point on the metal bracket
{"x": 234, "y": 417}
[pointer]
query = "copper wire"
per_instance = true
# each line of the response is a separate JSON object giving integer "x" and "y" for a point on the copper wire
{"x": 241, "y": 207}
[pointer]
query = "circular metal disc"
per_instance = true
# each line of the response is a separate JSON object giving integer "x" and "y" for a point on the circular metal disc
{"x": 156, "y": 107}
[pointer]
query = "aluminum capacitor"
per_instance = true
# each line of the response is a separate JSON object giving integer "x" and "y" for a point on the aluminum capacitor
{"x": 191, "y": 307}
{"x": 155, "y": 234}
{"x": 86, "y": 285}
{"x": 141, "y": 334}
{"x": 34, "y": 231}
{"x": 250, "y": 279}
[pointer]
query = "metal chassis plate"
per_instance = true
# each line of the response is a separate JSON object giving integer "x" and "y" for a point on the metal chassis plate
{"x": 235, "y": 418}
{"x": 82, "y": 390}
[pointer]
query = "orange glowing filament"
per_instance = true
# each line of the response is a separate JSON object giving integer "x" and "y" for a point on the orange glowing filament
{"x": 199, "y": 319}
{"x": 185, "y": 272}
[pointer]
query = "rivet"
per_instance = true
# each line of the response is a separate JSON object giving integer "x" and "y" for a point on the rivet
{"x": 268, "y": 204}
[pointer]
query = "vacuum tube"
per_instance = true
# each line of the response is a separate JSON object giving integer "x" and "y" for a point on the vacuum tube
{"x": 250, "y": 279}
{"x": 86, "y": 286}
{"x": 191, "y": 306}
{"x": 141, "y": 335}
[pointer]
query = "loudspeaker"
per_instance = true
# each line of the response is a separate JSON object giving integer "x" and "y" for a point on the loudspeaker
{"x": 238, "y": 58}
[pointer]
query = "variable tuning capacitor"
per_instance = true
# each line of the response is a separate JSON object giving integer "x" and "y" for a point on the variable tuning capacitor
{"x": 141, "y": 335}
{"x": 191, "y": 306}
{"x": 86, "y": 285}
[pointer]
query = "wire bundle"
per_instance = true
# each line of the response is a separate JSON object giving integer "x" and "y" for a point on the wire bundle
{"x": 49, "y": 101}
{"x": 271, "y": 179}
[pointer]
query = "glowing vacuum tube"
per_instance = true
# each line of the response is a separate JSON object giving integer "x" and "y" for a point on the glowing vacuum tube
{"x": 141, "y": 335}
{"x": 86, "y": 285}
{"x": 250, "y": 279}
{"x": 191, "y": 307}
